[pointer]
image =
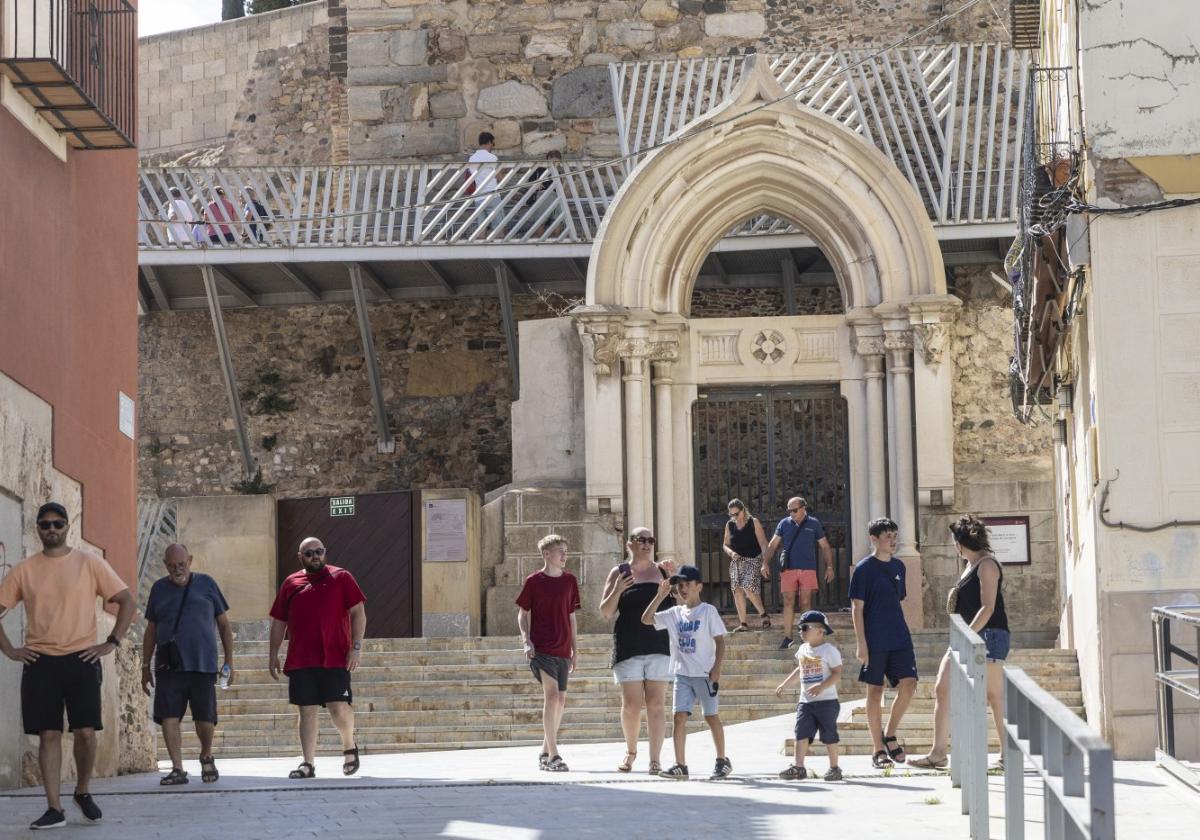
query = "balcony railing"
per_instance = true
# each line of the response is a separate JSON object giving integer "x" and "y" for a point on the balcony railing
{"x": 74, "y": 61}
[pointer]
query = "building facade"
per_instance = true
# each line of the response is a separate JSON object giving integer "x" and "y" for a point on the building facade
{"x": 68, "y": 351}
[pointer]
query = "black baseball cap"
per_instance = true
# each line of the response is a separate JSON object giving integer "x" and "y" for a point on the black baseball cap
{"x": 817, "y": 617}
{"x": 51, "y": 507}
{"x": 687, "y": 573}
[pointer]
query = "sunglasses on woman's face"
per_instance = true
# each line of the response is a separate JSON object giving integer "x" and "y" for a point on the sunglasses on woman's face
{"x": 56, "y": 524}
{"x": 314, "y": 552}
{"x": 644, "y": 540}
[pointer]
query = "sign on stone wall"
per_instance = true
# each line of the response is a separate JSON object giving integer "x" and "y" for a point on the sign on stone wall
{"x": 445, "y": 530}
{"x": 1009, "y": 536}
{"x": 341, "y": 506}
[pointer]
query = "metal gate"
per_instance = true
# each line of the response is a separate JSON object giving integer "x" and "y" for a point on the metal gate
{"x": 763, "y": 446}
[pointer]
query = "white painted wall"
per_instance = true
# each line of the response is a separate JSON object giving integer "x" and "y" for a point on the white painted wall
{"x": 1141, "y": 77}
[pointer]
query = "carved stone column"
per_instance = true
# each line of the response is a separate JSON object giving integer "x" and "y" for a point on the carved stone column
{"x": 899, "y": 344}
{"x": 639, "y": 504}
{"x": 602, "y": 332}
{"x": 868, "y": 344}
{"x": 663, "y": 355}
{"x": 932, "y": 317}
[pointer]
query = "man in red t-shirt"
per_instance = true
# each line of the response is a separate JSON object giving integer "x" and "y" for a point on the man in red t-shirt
{"x": 322, "y": 609}
{"x": 546, "y": 617}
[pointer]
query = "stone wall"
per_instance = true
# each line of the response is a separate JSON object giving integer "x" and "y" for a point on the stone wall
{"x": 307, "y": 399}
{"x": 766, "y": 303}
{"x": 27, "y": 478}
{"x": 190, "y": 83}
{"x": 424, "y": 78}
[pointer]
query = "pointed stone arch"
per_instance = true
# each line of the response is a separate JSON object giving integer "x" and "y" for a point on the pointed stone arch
{"x": 750, "y": 155}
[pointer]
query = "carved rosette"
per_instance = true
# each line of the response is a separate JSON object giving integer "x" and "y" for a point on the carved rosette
{"x": 933, "y": 340}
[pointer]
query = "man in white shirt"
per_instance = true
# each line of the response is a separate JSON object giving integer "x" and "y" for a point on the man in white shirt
{"x": 182, "y": 215}
{"x": 481, "y": 182}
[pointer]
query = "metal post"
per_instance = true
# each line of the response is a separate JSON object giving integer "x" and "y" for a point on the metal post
{"x": 386, "y": 442}
{"x": 231, "y": 390}
{"x": 510, "y": 327}
{"x": 968, "y": 716}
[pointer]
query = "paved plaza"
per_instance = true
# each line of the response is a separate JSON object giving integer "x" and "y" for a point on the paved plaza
{"x": 498, "y": 794}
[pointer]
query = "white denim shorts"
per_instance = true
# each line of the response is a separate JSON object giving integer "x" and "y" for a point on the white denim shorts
{"x": 652, "y": 666}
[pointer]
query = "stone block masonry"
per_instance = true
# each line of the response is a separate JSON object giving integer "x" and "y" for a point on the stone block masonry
{"x": 424, "y": 78}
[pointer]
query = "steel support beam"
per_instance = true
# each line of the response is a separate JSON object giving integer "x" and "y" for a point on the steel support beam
{"x": 386, "y": 442}
{"x": 440, "y": 276}
{"x": 720, "y": 266}
{"x": 226, "y": 358}
{"x": 370, "y": 279}
{"x": 156, "y": 288}
{"x": 510, "y": 327}
{"x": 235, "y": 286}
{"x": 300, "y": 280}
{"x": 788, "y": 268}
{"x": 518, "y": 283}
{"x": 580, "y": 273}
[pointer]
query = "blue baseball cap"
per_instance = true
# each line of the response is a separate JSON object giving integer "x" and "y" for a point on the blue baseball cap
{"x": 817, "y": 617}
{"x": 687, "y": 573}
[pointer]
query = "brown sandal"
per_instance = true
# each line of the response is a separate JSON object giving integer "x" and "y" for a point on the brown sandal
{"x": 627, "y": 765}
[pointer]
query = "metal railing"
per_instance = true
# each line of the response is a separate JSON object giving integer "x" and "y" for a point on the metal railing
{"x": 1168, "y": 680}
{"x": 968, "y": 723}
{"x": 950, "y": 116}
{"x": 1074, "y": 763}
{"x": 94, "y": 42}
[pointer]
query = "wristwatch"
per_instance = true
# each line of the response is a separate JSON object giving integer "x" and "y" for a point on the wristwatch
{"x": 357, "y": 645}
{"x": 113, "y": 640}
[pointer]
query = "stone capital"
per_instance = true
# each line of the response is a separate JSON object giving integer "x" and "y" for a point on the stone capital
{"x": 603, "y": 348}
{"x": 664, "y": 350}
{"x": 868, "y": 345}
{"x": 898, "y": 340}
{"x": 932, "y": 339}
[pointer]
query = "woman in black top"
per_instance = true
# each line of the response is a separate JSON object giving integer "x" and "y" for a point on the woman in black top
{"x": 641, "y": 654}
{"x": 979, "y": 599}
{"x": 745, "y": 542}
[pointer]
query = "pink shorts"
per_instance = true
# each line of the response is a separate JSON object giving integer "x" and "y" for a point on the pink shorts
{"x": 793, "y": 580}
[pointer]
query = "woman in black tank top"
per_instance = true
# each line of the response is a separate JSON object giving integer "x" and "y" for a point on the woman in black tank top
{"x": 745, "y": 542}
{"x": 978, "y": 598}
{"x": 641, "y": 654}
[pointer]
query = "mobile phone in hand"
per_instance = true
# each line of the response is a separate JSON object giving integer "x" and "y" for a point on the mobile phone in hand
{"x": 624, "y": 569}
{"x": 713, "y": 687}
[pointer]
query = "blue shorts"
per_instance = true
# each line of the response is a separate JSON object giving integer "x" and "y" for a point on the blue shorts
{"x": 998, "y": 643}
{"x": 818, "y": 717}
{"x": 896, "y": 665}
{"x": 690, "y": 689}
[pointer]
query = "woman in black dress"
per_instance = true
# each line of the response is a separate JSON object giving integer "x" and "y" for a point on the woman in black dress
{"x": 641, "y": 654}
{"x": 978, "y": 597}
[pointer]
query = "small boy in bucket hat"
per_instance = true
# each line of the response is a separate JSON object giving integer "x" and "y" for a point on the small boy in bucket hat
{"x": 819, "y": 668}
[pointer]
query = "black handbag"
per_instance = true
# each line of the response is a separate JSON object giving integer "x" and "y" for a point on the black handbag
{"x": 166, "y": 654}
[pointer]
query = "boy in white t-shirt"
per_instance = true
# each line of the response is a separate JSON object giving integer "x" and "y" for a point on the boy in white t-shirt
{"x": 697, "y": 636}
{"x": 819, "y": 668}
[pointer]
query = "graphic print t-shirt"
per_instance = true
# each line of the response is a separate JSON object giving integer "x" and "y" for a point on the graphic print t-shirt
{"x": 816, "y": 664}
{"x": 693, "y": 633}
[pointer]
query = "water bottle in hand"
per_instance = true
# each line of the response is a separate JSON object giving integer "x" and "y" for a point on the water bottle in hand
{"x": 223, "y": 680}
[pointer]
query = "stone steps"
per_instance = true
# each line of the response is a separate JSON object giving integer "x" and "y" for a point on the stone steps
{"x": 420, "y": 694}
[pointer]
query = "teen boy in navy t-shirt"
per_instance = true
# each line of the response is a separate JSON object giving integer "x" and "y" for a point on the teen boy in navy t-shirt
{"x": 885, "y": 647}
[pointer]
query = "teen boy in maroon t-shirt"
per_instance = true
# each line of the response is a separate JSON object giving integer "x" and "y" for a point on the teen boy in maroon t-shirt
{"x": 546, "y": 618}
{"x": 322, "y": 609}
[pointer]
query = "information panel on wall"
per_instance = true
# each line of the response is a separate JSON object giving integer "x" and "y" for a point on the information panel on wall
{"x": 1010, "y": 538}
{"x": 445, "y": 530}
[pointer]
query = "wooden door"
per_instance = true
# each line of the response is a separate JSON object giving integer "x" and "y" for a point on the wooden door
{"x": 373, "y": 538}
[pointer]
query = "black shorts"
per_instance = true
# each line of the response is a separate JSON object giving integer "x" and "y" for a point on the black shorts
{"x": 557, "y": 668}
{"x": 818, "y": 717}
{"x": 54, "y": 683}
{"x": 896, "y": 665}
{"x": 175, "y": 691}
{"x": 318, "y": 686}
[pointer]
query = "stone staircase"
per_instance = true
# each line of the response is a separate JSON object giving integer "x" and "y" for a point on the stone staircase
{"x": 460, "y": 693}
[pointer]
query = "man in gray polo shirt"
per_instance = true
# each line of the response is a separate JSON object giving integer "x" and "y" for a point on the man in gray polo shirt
{"x": 183, "y": 615}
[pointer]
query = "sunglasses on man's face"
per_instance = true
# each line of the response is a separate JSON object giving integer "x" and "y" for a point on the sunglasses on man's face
{"x": 644, "y": 540}
{"x": 56, "y": 524}
{"x": 795, "y": 510}
{"x": 314, "y": 552}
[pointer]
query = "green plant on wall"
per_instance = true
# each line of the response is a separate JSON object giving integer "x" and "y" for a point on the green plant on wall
{"x": 252, "y": 486}
{"x": 267, "y": 396}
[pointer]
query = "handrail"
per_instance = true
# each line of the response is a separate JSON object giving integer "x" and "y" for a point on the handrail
{"x": 968, "y": 723}
{"x": 1168, "y": 680}
{"x": 1074, "y": 763}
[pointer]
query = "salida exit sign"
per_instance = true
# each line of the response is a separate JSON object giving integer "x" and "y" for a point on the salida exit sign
{"x": 341, "y": 506}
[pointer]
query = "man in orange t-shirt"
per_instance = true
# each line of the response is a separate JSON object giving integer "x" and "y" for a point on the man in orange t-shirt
{"x": 59, "y": 587}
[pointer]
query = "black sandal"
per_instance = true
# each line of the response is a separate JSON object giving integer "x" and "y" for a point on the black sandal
{"x": 177, "y": 776}
{"x": 349, "y": 768}
{"x": 880, "y": 760}
{"x": 208, "y": 769}
{"x": 766, "y": 622}
{"x": 894, "y": 753}
{"x": 301, "y": 773}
